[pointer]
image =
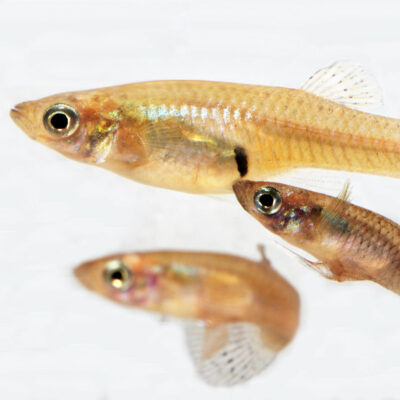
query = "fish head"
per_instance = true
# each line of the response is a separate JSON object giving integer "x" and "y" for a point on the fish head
{"x": 290, "y": 212}
{"x": 136, "y": 280}
{"x": 80, "y": 125}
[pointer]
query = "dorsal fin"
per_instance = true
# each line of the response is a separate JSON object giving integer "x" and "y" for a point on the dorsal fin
{"x": 345, "y": 83}
{"x": 332, "y": 215}
{"x": 261, "y": 250}
{"x": 227, "y": 354}
{"x": 264, "y": 259}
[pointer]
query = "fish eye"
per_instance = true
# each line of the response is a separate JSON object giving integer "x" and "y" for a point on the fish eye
{"x": 118, "y": 275}
{"x": 268, "y": 200}
{"x": 61, "y": 120}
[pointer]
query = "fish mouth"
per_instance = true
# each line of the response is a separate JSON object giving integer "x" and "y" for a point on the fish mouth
{"x": 15, "y": 114}
{"x": 18, "y": 115}
{"x": 81, "y": 275}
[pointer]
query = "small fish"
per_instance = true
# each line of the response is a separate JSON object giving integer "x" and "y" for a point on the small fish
{"x": 238, "y": 313}
{"x": 350, "y": 242}
{"x": 199, "y": 136}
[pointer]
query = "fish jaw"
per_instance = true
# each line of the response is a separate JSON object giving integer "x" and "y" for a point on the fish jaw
{"x": 90, "y": 143}
{"x": 87, "y": 276}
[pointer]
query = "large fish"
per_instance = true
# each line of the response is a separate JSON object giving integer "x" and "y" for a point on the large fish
{"x": 199, "y": 136}
{"x": 239, "y": 313}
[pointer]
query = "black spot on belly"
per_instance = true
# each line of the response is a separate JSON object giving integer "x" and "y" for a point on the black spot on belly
{"x": 241, "y": 160}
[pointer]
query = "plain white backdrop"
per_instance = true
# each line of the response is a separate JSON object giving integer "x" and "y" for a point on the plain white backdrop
{"x": 58, "y": 341}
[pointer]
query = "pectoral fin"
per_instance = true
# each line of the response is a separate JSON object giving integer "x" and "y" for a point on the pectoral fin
{"x": 175, "y": 136}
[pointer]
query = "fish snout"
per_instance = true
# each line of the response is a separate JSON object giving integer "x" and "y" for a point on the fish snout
{"x": 18, "y": 110}
{"x": 19, "y": 114}
{"x": 15, "y": 113}
{"x": 242, "y": 190}
{"x": 81, "y": 274}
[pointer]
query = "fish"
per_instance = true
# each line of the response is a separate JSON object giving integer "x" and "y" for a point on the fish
{"x": 349, "y": 242}
{"x": 237, "y": 314}
{"x": 201, "y": 136}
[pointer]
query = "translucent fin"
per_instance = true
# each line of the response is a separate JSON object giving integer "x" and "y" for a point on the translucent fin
{"x": 332, "y": 215}
{"x": 318, "y": 266}
{"x": 317, "y": 180}
{"x": 177, "y": 136}
{"x": 347, "y": 84}
{"x": 344, "y": 195}
{"x": 228, "y": 354}
{"x": 223, "y": 197}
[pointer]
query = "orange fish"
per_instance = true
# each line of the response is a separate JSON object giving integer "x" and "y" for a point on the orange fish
{"x": 350, "y": 242}
{"x": 239, "y": 313}
{"x": 199, "y": 137}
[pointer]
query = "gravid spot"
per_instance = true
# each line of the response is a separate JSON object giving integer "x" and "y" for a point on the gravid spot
{"x": 241, "y": 160}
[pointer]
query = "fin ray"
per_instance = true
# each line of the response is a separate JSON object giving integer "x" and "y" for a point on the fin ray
{"x": 317, "y": 266}
{"x": 332, "y": 215}
{"x": 227, "y": 354}
{"x": 318, "y": 180}
{"x": 177, "y": 135}
{"x": 345, "y": 83}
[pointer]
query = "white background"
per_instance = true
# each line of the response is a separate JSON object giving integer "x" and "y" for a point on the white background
{"x": 58, "y": 341}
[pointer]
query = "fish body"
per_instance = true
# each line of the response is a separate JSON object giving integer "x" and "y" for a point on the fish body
{"x": 200, "y": 136}
{"x": 227, "y": 295}
{"x": 350, "y": 242}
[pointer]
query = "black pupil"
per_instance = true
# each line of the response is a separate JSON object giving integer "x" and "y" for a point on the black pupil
{"x": 266, "y": 200}
{"x": 117, "y": 276}
{"x": 59, "y": 121}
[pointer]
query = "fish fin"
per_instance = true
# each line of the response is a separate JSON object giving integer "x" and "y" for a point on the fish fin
{"x": 228, "y": 354}
{"x": 164, "y": 135}
{"x": 344, "y": 195}
{"x": 264, "y": 259}
{"x": 261, "y": 250}
{"x": 317, "y": 180}
{"x": 334, "y": 273}
{"x": 332, "y": 215}
{"x": 318, "y": 266}
{"x": 174, "y": 136}
{"x": 345, "y": 83}
{"x": 223, "y": 197}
